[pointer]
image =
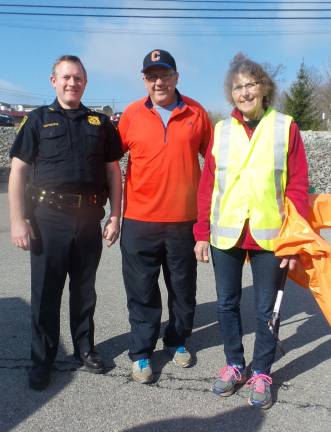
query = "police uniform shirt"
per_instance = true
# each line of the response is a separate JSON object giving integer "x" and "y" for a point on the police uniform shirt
{"x": 68, "y": 149}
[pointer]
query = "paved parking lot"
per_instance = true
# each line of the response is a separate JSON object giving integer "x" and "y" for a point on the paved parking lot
{"x": 180, "y": 399}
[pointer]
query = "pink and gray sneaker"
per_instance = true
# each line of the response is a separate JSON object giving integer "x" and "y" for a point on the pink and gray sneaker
{"x": 229, "y": 377}
{"x": 260, "y": 391}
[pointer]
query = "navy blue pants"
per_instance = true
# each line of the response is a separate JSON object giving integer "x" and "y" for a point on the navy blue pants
{"x": 146, "y": 247}
{"x": 267, "y": 278}
{"x": 68, "y": 243}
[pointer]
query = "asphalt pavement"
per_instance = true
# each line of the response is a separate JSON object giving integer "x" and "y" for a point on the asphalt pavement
{"x": 180, "y": 399}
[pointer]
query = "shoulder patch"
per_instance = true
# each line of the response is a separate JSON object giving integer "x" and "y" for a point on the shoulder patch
{"x": 24, "y": 120}
{"x": 94, "y": 120}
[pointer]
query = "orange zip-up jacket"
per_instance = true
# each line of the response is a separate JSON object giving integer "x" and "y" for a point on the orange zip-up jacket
{"x": 163, "y": 169}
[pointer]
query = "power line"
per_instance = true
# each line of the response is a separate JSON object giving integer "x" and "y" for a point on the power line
{"x": 273, "y": 18}
{"x": 265, "y": 31}
{"x": 168, "y": 1}
{"x": 163, "y": 9}
{"x": 239, "y": 2}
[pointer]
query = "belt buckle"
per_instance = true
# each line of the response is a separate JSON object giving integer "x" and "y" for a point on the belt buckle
{"x": 79, "y": 201}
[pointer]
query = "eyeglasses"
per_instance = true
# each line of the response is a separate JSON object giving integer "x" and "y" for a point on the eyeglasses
{"x": 164, "y": 77}
{"x": 250, "y": 87}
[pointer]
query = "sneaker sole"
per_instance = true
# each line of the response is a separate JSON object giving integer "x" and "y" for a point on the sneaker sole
{"x": 225, "y": 394}
{"x": 95, "y": 371}
{"x": 259, "y": 406}
{"x": 142, "y": 381}
{"x": 229, "y": 392}
{"x": 185, "y": 365}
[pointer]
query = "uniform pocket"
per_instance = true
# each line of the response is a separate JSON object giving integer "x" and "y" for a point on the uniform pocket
{"x": 53, "y": 142}
{"x": 94, "y": 142}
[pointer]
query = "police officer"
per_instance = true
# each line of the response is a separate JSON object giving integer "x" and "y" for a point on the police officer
{"x": 73, "y": 153}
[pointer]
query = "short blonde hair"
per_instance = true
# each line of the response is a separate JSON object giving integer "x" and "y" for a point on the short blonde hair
{"x": 68, "y": 58}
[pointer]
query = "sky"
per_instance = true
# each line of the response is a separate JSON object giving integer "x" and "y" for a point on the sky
{"x": 112, "y": 49}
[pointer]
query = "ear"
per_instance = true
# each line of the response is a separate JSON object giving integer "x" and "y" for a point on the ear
{"x": 145, "y": 83}
{"x": 52, "y": 79}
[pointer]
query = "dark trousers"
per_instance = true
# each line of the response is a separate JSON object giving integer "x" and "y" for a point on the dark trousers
{"x": 68, "y": 243}
{"x": 267, "y": 278}
{"x": 146, "y": 247}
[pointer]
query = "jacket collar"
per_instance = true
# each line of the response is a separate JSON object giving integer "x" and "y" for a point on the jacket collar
{"x": 55, "y": 106}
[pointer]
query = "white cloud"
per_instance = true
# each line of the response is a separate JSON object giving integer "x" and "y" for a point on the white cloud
{"x": 12, "y": 93}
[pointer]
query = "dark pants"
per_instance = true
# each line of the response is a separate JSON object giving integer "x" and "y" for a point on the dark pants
{"x": 267, "y": 278}
{"x": 68, "y": 243}
{"x": 146, "y": 246}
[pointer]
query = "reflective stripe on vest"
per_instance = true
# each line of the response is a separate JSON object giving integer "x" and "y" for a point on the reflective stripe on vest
{"x": 236, "y": 171}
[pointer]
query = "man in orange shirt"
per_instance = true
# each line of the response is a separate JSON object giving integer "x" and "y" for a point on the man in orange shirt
{"x": 164, "y": 133}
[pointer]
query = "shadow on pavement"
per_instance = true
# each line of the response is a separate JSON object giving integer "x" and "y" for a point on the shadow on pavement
{"x": 296, "y": 301}
{"x": 207, "y": 334}
{"x": 240, "y": 419}
{"x": 17, "y": 401}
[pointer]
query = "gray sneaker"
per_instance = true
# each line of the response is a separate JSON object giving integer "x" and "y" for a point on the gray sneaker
{"x": 180, "y": 356}
{"x": 229, "y": 377}
{"x": 260, "y": 391}
{"x": 142, "y": 371}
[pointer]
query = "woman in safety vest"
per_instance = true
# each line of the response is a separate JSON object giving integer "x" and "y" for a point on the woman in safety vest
{"x": 257, "y": 158}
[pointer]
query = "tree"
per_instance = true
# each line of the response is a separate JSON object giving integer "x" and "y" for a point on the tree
{"x": 215, "y": 117}
{"x": 301, "y": 102}
{"x": 324, "y": 98}
{"x": 107, "y": 110}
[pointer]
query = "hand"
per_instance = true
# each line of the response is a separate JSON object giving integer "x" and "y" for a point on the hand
{"x": 21, "y": 233}
{"x": 201, "y": 251}
{"x": 111, "y": 230}
{"x": 290, "y": 261}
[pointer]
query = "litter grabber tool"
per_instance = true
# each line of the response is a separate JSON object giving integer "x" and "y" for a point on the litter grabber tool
{"x": 273, "y": 324}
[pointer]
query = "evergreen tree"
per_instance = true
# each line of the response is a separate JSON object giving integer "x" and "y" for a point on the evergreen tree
{"x": 300, "y": 101}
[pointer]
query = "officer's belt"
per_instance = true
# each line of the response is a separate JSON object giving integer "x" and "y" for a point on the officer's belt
{"x": 66, "y": 199}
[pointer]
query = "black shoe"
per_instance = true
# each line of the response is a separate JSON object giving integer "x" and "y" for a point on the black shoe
{"x": 92, "y": 361}
{"x": 39, "y": 377}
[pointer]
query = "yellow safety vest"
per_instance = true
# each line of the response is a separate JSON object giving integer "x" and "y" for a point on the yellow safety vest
{"x": 250, "y": 180}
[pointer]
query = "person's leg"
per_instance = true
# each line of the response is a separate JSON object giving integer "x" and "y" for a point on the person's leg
{"x": 267, "y": 279}
{"x": 49, "y": 265}
{"x": 228, "y": 266}
{"x": 141, "y": 246}
{"x": 85, "y": 255}
{"x": 180, "y": 274}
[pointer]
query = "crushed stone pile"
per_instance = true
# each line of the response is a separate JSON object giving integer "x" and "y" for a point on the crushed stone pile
{"x": 317, "y": 145}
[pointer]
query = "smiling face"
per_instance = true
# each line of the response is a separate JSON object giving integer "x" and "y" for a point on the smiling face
{"x": 160, "y": 83}
{"x": 69, "y": 82}
{"x": 247, "y": 95}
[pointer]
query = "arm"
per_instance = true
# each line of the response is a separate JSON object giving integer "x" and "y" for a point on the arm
{"x": 201, "y": 229}
{"x": 21, "y": 231}
{"x": 123, "y": 126}
{"x": 297, "y": 172}
{"x": 297, "y": 182}
{"x": 208, "y": 134}
{"x": 114, "y": 180}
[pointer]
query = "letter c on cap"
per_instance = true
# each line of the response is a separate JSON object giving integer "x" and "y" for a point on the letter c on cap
{"x": 155, "y": 56}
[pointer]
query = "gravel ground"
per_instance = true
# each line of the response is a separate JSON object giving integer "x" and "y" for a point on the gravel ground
{"x": 317, "y": 144}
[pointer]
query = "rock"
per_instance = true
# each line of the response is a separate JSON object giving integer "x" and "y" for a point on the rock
{"x": 317, "y": 145}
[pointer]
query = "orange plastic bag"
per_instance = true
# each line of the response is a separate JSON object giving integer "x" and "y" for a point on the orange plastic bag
{"x": 300, "y": 237}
